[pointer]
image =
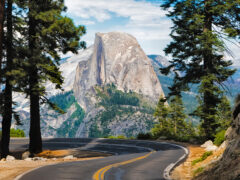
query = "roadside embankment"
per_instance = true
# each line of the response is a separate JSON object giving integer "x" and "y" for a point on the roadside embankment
{"x": 11, "y": 168}
{"x": 199, "y": 158}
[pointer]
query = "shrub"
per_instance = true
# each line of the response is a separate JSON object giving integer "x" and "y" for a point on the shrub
{"x": 219, "y": 138}
{"x": 16, "y": 133}
{"x": 198, "y": 171}
{"x": 117, "y": 137}
{"x": 144, "y": 136}
{"x": 202, "y": 158}
{"x": 121, "y": 137}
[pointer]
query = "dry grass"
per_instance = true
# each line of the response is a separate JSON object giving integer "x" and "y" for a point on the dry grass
{"x": 186, "y": 170}
{"x": 55, "y": 153}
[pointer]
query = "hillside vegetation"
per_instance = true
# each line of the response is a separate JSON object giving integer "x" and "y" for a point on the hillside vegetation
{"x": 130, "y": 109}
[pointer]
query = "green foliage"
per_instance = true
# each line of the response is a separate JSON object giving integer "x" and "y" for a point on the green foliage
{"x": 63, "y": 100}
{"x": 198, "y": 33}
{"x": 15, "y": 133}
{"x": 219, "y": 138}
{"x": 111, "y": 96}
{"x": 198, "y": 171}
{"x": 172, "y": 121}
{"x": 118, "y": 104}
{"x": 117, "y": 137}
{"x": 202, "y": 158}
{"x": 70, "y": 126}
{"x": 224, "y": 114}
{"x": 94, "y": 131}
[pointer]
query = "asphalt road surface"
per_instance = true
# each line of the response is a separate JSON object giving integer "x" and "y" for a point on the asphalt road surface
{"x": 131, "y": 160}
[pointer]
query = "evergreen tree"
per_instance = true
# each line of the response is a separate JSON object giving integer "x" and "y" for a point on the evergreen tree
{"x": 9, "y": 73}
{"x": 178, "y": 117}
{"x": 7, "y": 110}
{"x": 162, "y": 114}
{"x": 49, "y": 33}
{"x": 224, "y": 114}
{"x": 2, "y": 10}
{"x": 198, "y": 47}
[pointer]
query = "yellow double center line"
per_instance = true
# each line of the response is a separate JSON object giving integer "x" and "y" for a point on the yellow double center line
{"x": 99, "y": 175}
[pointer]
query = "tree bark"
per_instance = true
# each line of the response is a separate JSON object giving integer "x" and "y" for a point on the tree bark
{"x": 35, "y": 139}
{"x": 208, "y": 104}
{"x": 2, "y": 9}
{"x": 35, "y": 144}
{"x": 7, "y": 110}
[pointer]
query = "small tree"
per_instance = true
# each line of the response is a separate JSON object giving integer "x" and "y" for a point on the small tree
{"x": 224, "y": 114}
{"x": 178, "y": 117}
{"x": 162, "y": 114}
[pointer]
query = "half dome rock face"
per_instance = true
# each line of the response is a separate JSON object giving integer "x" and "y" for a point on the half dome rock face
{"x": 117, "y": 59}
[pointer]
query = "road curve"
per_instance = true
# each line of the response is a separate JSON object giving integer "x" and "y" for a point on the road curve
{"x": 132, "y": 160}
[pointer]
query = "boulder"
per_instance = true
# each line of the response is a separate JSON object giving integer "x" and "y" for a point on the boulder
{"x": 26, "y": 154}
{"x": 10, "y": 158}
{"x": 209, "y": 146}
{"x": 207, "y": 143}
{"x": 69, "y": 157}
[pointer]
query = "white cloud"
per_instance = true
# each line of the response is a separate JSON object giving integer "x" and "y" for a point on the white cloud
{"x": 139, "y": 12}
{"x": 146, "y": 21}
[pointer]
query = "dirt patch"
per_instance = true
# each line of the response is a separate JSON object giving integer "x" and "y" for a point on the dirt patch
{"x": 187, "y": 171}
{"x": 9, "y": 170}
{"x": 75, "y": 153}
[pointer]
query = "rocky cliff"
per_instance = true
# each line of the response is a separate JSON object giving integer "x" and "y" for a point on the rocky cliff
{"x": 109, "y": 89}
{"x": 228, "y": 167}
{"x": 117, "y": 58}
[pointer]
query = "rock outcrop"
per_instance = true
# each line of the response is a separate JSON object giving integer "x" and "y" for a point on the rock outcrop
{"x": 117, "y": 58}
{"x": 228, "y": 167}
{"x": 114, "y": 59}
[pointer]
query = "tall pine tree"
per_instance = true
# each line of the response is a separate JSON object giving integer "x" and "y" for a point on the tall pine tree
{"x": 12, "y": 43}
{"x": 198, "y": 49}
{"x": 7, "y": 109}
{"x": 2, "y": 10}
{"x": 49, "y": 34}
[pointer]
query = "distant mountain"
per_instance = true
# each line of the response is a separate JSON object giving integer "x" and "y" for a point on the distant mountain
{"x": 118, "y": 67}
{"x": 110, "y": 88}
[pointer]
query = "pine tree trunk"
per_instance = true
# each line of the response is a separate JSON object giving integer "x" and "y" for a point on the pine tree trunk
{"x": 2, "y": 9}
{"x": 7, "y": 111}
{"x": 35, "y": 142}
{"x": 208, "y": 104}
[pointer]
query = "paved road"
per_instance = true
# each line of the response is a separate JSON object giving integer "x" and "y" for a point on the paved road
{"x": 132, "y": 160}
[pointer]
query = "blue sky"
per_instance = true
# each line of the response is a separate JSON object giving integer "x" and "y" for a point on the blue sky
{"x": 143, "y": 19}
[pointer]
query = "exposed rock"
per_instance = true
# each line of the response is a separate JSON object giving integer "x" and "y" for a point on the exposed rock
{"x": 207, "y": 143}
{"x": 39, "y": 159}
{"x": 209, "y": 146}
{"x": 69, "y": 157}
{"x": 227, "y": 168}
{"x": 26, "y": 154}
{"x": 117, "y": 58}
{"x": 10, "y": 158}
{"x": 223, "y": 145}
